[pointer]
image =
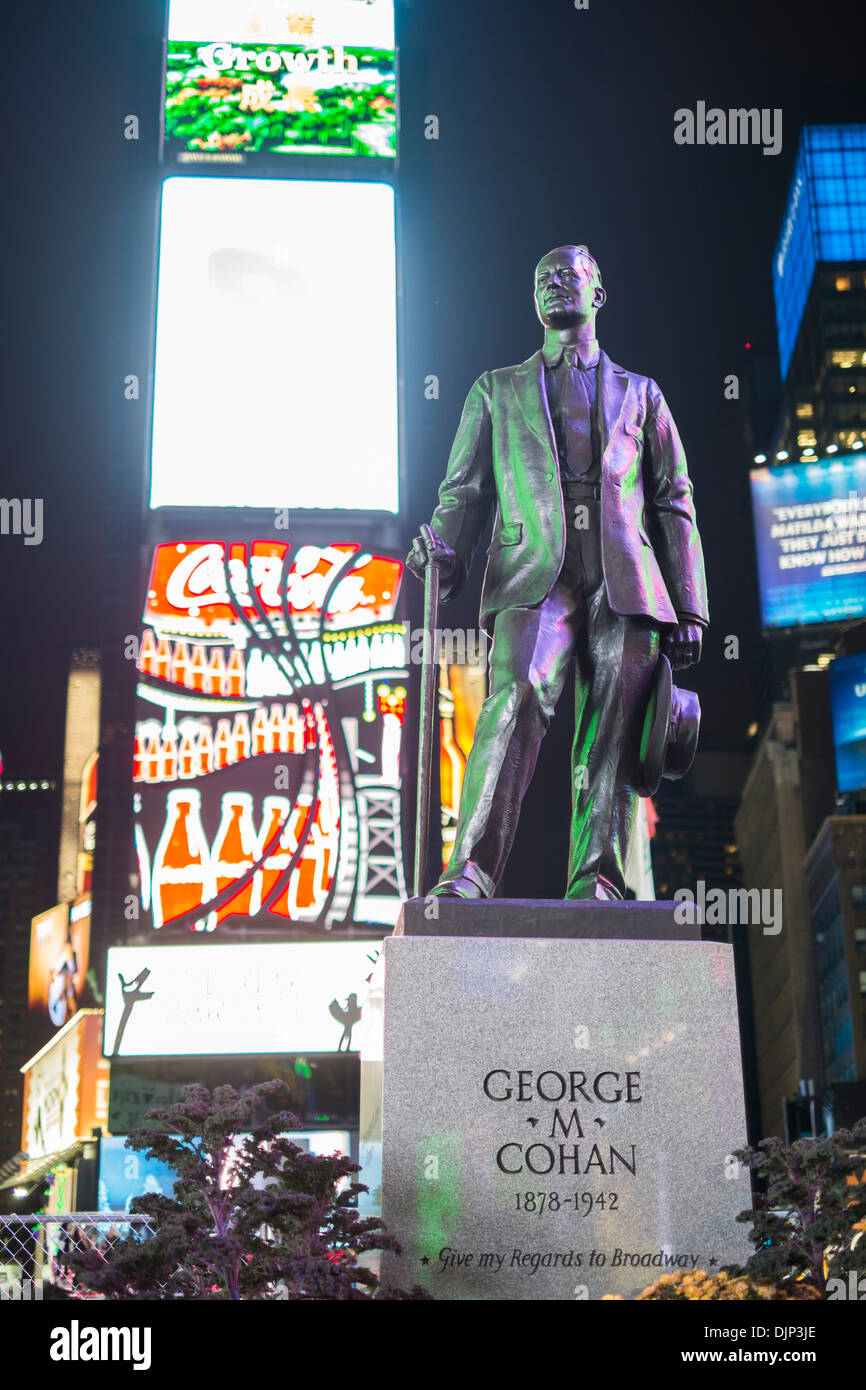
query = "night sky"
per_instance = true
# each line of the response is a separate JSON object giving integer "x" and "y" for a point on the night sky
{"x": 556, "y": 125}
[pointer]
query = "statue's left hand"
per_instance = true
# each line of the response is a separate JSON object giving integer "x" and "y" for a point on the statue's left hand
{"x": 427, "y": 549}
{"x": 682, "y": 645}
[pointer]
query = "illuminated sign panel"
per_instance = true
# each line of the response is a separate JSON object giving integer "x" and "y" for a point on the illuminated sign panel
{"x": 169, "y": 1001}
{"x": 78, "y": 814}
{"x": 268, "y": 740}
{"x": 848, "y": 699}
{"x": 125, "y": 1174}
{"x": 462, "y": 692}
{"x": 810, "y": 526}
{"x": 59, "y": 957}
{"x": 276, "y": 350}
{"x": 66, "y": 1087}
{"x": 269, "y": 78}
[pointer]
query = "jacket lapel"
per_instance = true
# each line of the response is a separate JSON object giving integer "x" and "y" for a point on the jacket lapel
{"x": 612, "y": 387}
{"x": 528, "y": 384}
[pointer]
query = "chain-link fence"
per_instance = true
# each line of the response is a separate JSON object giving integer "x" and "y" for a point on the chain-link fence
{"x": 35, "y": 1250}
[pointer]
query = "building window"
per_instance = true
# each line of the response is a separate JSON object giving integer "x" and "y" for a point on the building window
{"x": 805, "y": 437}
{"x": 847, "y": 358}
{"x": 858, "y": 896}
{"x": 863, "y": 981}
{"x": 804, "y": 410}
{"x": 843, "y": 282}
{"x": 846, "y": 439}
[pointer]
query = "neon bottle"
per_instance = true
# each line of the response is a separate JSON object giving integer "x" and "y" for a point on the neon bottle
{"x": 279, "y": 730}
{"x": 217, "y": 672}
{"x": 240, "y": 738}
{"x": 197, "y": 668}
{"x": 270, "y": 843}
{"x": 204, "y": 753}
{"x": 180, "y": 664}
{"x": 262, "y": 737}
{"x": 152, "y": 760}
{"x": 182, "y": 878}
{"x": 162, "y": 662}
{"x": 147, "y": 652}
{"x": 168, "y": 755}
{"x": 222, "y": 755}
{"x": 234, "y": 853}
{"x": 138, "y": 758}
{"x": 235, "y": 681}
{"x": 185, "y": 756}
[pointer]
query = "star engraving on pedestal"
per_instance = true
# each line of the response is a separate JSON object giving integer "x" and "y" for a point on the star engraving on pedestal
{"x": 531, "y": 1120}
{"x": 713, "y": 1261}
{"x": 425, "y": 1259}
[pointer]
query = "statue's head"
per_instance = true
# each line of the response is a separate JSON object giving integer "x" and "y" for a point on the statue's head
{"x": 568, "y": 288}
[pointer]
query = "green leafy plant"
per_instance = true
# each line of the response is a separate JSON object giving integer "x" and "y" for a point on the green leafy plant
{"x": 253, "y": 1216}
{"x": 805, "y": 1222}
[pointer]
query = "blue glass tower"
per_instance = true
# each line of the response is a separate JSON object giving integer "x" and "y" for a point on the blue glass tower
{"x": 825, "y": 220}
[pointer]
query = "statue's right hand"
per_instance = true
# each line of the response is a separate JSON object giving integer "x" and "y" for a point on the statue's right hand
{"x": 430, "y": 549}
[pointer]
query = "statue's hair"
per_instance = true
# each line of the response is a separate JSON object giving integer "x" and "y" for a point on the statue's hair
{"x": 582, "y": 254}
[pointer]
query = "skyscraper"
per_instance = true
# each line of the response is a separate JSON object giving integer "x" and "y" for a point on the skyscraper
{"x": 28, "y": 848}
{"x": 819, "y": 283}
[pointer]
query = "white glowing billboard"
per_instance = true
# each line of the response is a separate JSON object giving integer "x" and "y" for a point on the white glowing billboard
{"x": 276, "y": 348}
{"x": 182, "y": 1001}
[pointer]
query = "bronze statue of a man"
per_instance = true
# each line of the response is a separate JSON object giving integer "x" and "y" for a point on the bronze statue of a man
{"x": 595, "y": 559}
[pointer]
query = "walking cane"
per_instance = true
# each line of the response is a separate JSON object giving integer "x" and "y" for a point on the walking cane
{"x": 425, "y": 731}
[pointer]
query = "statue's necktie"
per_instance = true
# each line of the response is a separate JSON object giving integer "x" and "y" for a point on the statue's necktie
{"x": 578, "y": 419}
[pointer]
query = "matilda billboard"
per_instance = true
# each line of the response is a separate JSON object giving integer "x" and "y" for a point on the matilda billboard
{"x": 269, "y": 79}
{"x": 810, "y": 527}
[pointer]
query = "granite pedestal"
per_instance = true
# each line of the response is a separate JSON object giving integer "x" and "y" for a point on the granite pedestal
{"x": 550, "y": 1097}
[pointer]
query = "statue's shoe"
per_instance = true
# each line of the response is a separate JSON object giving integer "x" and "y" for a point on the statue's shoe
{"x": 599, "y": 891}
{"x": 456, "y": 888}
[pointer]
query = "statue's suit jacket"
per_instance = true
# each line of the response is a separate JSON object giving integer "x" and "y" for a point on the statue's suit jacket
{"x": 504, "y": 457}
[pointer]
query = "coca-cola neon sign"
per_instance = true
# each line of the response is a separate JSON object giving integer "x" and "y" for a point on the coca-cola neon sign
{"x": 200, "y": 581}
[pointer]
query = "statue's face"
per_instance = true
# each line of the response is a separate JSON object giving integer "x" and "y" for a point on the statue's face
{"x": 565, "y": 291}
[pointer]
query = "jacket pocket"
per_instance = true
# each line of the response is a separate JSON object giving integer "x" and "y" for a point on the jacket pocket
{"x": 509, "y": 535}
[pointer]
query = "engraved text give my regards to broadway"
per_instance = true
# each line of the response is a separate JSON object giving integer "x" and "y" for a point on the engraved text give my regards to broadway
{"x": 570, "y": 1140}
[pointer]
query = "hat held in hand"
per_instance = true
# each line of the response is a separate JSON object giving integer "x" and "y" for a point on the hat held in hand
{"x": 669, "y": 737}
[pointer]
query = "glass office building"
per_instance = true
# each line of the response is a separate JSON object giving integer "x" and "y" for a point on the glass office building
{"x": 825, "y": 220}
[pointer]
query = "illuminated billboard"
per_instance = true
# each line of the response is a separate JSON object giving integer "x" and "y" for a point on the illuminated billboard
{"x": 462, "y": 692}
{"x": 81, "y": 738}
{"x": 271, "y": 706}
{"x": 59, "y": 957}
{"x": 276, "y": 351}
{"x": 125, "y": 1174}
{"x": 810, "y": 529}
{"x": 210, "y": 999}
{"x": 848, "y": 701}
{"x": 270, "y": 79}
{"x": 66, "y": 1087}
